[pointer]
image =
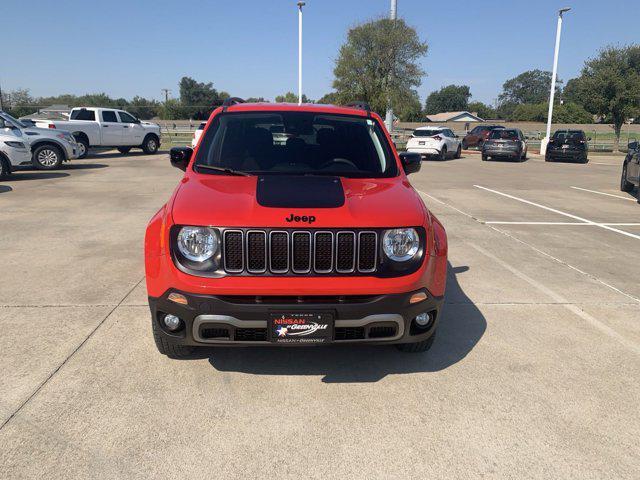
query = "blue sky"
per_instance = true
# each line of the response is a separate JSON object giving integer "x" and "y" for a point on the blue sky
{"x": 249, "y": 47}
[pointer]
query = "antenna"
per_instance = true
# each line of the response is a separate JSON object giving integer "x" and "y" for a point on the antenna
{"x": 166, "y": 92}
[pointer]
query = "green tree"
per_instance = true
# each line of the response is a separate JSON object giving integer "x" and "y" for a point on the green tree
{"x": 609, "y": 85}
{"x": 198, "y": 99}
{"x": 378, "y": 63}
{"x": 19, "y": 103}
{"x": 143, "y": 108}
{"x": 172, "y": 109}
{"x": 452, "y": 98}
{"x": 257, "y": 100}
{"x": 482, "y": 110}
{"x": 330, "y": 98}
{"x": 529, "y": 87}
{"x": 411, "y": 109}
{"x": 291, "y": 97}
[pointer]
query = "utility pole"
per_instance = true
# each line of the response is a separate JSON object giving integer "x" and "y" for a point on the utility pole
{"x": 166, "y": 92}
{"x": 388, "y": 120}
{"x": 1, "y": 106}
{"x": 300, "y": 5}
{"x": 552, "y": 94}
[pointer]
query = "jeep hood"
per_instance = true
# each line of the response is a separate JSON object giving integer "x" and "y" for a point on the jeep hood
{"x": 230, "y": 201}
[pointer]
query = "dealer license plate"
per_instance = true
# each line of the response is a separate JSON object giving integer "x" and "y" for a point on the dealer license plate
{"x": 301, "y": 327}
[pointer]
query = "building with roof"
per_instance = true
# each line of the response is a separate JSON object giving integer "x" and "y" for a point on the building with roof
{"x": 463, "y": 116}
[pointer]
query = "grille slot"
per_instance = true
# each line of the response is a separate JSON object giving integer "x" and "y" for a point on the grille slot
{"x": 250, "y": 335}
{"x": 345, "y": 252}
{"x": 382, "y": 331}
{"x": 300, "y": 252}
{"x": 233, "y": 251}
{"x": 349, "y": 333}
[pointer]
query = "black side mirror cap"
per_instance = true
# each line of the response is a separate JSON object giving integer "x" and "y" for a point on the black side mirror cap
{"x": 180, "y": 157}
{"x": 411, "y": 162}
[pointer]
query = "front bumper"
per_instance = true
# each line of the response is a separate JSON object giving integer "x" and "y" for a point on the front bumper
{"x": 242, "y": 320}
{"x": 424, "y": 151}
{"x": 566, "y": 154}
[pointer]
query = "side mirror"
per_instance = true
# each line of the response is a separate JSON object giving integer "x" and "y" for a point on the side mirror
{"x": 411, "y": 162}
{"x": 633, "y": 145}
{"x": 588, "y": 139}
{"x": 180, "y": 157}
{"x": 137, "y": 120}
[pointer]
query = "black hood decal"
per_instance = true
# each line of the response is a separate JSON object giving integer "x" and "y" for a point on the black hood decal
{"x": 293, "y": 191}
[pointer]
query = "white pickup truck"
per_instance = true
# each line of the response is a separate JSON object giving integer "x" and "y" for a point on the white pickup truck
{"x": 108, "y": 127}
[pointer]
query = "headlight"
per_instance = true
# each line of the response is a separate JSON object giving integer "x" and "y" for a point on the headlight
{"x": 15, "y": 144}
{"x": 401, "y": 244}
{"x": 198, "y": 243}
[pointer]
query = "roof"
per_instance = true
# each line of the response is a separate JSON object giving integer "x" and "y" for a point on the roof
{"x": 305, "y": 107}
{"x": 431, "y": 127}
{"x": 462, "y": 116}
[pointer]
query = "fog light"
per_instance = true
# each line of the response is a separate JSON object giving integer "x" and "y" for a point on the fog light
{"x": 171, "y": 322}
{"x": 423, "y": 319}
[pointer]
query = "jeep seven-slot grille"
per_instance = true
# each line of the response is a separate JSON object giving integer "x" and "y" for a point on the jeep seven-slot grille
{"x": 299, "y": 252}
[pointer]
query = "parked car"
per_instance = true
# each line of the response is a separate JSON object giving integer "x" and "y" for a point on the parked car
{"x": 321, "y": 240}
{"x": 631, "y": 169}
{"x": 197, "y": 134}
{"x": 49, "y": 148}
{"x": 509, "y": 143}
{"x": 13, "y": 152}
{"x": 568, "y": 145}
{"x": 477, "y": 135}
{"x": 439, "y": 142}
{"x": 108, "y": 127}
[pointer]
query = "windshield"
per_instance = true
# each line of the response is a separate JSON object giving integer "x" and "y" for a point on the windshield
{"x": 8, "y": 118}
{"x": 296, "y": 143}
{"x": 426, "y": 133}
{"x": 504, "y": 134}
{"x": 568, "y": 135}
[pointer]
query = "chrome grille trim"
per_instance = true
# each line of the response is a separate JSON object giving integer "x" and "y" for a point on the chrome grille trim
{"x": 375, "y": 250}
{"x": 224, "y": 250}
{"x": 331, "y": 263}
{"x": 355, "y": 250}
{"x": 246, "y": 250}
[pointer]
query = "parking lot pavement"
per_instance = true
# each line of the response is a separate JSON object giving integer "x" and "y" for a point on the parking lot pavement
{"x": 533, "y": 373}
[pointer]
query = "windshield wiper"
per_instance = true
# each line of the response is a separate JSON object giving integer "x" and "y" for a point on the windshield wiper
{"x": 228, "y": 171}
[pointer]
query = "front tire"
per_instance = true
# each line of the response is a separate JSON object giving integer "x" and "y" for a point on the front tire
{"x": 47, "y": 157}
{"x": 417, "y": 347}
{"x": 166, "y": 347}
{"x": 459, "y": 151}
{"x": 625, "y": 185}
{"x": 5, "y": 168}
{"x": 485, "y": 157}
{"x": 83, "y": 144}
{"x": 150, "y": 144}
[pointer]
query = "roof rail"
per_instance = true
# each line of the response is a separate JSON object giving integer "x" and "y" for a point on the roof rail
{"x": 360, "y": 105}
{"x": 231, "y": 101}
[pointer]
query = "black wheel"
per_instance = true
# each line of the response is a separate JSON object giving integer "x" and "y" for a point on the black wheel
{"x": 150, "y": 144}
{"x": 459, "y": 151}
{"x": 547, "y": 158}
{"x": 443, "y": 154}
{"x": 418, "y": 346}
{"x": 83, "y": 145}
{"x": 625, "y": 185}
{"x": 464, "y": 145}
{"x": 524, "y": 155}
{"x": 485, "y": 157}
{"x": 47, "y": 157}
{"x": 585, "y": 160}
{"x": 166, "y": 346}
{"x": 124, "y": 150}
{"x": 5, "y": 168}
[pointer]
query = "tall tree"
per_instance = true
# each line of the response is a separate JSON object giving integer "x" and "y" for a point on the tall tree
{"x": 199, "y": 99}
{"x": 329, "y": 98}
{"x": 379, "y": 62}
{"x": 482, "y": 110}
{"x": 610, "y": 86}
{"x": 452, "y": 98}
{"x": 531, "y": 86}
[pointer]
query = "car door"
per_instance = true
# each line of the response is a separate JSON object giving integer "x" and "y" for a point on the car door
{"x": 452, "y": 141}
{"x": 132, "y": 131}
{"x": 111, "y": 129}
{"x": 633, "y": 168}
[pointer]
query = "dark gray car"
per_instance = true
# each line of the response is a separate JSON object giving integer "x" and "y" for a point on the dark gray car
{"x": 505, "y": 143}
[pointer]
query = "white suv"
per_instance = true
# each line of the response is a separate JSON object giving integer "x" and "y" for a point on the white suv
{"x": 13, "y": 152}
{"x": 439, "y": 142}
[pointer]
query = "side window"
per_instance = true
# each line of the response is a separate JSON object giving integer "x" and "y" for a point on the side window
{"x": 83, "y": 114}
{"x": 450, "y": 133}
{"x": 126, "y": 118}
{"x": 108, "y": 116}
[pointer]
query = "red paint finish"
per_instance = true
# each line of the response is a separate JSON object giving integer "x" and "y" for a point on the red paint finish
{"x": 230, "y": 201}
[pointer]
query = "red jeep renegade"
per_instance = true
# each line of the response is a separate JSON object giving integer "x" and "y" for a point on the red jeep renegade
{"x": 294, "y": 225}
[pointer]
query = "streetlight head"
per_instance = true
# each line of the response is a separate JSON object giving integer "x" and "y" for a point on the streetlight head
{"x": 301, "y": 4}
{"x": 564, "y": 10}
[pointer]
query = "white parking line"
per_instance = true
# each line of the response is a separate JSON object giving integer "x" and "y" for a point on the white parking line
{"x": 607, "y": 194}
{"x": 561, "y": 300}
{"x": 560, "y": 212}
{"x": 595, "y": 224}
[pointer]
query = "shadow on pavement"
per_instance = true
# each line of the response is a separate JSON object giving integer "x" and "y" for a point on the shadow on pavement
{"x": 5, "y": 188}
{"x": 34, "y": 175}
{"x": 82, "y": 166}
{"x": 461, "y": 327}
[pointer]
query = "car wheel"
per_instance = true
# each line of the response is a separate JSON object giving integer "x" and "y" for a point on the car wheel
{"x": 443, "y": 153}
{"x": 47, "y": 157}
{"x": 166, "y": 346}
{"x": 459, "y": 152}
{"x": 124, "y": 150}
{"x": 83, "y": 146}
{"x": 485, "y": 157}
{"x": 417, "y": 347}
{"x": 524, "y": 155}
{"x": 585, "y": 160}
{"x": 5, "y": 168}
{"x": 625, "y": 185}
{"x": 547, "y": 158}
{"x": 150, "y": 144}
{"x": 464, "y": 145}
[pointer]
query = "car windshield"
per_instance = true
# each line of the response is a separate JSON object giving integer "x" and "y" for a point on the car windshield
{"x": 426, "y": 132}
{"x": 8, "y": 118}
{"x": 568, "y": 135}
{"x": 296, "y": 143}
{"x": 501, "y": 134}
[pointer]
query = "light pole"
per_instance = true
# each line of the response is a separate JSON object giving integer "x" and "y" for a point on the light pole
{"x": 300, "y": 5}
{"x": 552, "y": 94}
{"x": 388, "y": 120}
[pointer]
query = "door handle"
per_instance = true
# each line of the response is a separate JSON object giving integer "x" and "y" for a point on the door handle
{"x": 125, "y": 126}
{"x": 105, "y": 126}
